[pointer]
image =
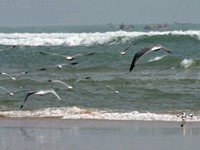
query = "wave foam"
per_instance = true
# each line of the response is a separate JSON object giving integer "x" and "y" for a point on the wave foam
{"x": 187, "y": 63}
{"x": 79, "y": 39}
{"x": 156, "y": 58}
{"x": 80, "y": 113}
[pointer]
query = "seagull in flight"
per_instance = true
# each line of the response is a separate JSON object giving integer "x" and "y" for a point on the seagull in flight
{"x": 61, "y": 82}
{"x": 39, "y": 92}
{"x": 116, "y": 92}
{"x": 67, "y": 57}
{"x": 8, "y": 48}
{"x": 12, "y": 75}
{"x": 58, "y": 66}
{"x": 6, "y": 74}
{"x": 10, "y": 93}
{"x": 123, "y": 52}
{"x": 81, "y": 79}
{"x": 145, "y": 50}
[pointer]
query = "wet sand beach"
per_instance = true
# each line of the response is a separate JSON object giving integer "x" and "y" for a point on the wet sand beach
{"x": 66, "y": 134}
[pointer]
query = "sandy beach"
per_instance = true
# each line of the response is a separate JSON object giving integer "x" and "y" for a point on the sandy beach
{"x": 64, "y": 134}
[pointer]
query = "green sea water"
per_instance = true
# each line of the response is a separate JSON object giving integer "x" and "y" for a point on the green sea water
{"x": 160, "y": 82}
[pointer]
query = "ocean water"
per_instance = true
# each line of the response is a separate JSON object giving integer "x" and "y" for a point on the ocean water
{"x": 160, "y": 86}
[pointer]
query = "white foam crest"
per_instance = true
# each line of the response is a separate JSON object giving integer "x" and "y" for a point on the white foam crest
{"x": 156, "y": 58}
{"x": 78, "y": 39}
{"x": 187, "y": 63}
{"x": 81, "y": 113}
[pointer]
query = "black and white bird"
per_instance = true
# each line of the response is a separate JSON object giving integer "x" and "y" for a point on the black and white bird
{"x": 183, "y": 116}
{"x": 123, "y": 52}
{"x": 9, "y": 75}
{"x": 67, "y": 57}
{"x": 13, "y": 76}
{"x": 39, "y": 92}
{"x": 116, "y": 92}
{"x": 6, "y": 49}
{"x": 58, "y": 66}
{"x": 10, "y": 93}
{"x": 63, "y": 83}
{"x": 145, "y": 50}
{"x": 82, "y": 79}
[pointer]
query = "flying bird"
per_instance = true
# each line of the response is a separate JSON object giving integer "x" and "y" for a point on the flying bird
{"x": 81, "y": 79}
{"x": 10, "y": 93}
{"x": 123, "y": 52}
{"x": 6, "y": 74}
{"x": 12, "y": 75}
{"x": 145, "y": 50}
{"x": 116, "y": 92}
{"x": 61, "y": 82}
{"x": 39, "y": 92}
{"x": 67, "y": 57}
{"x": 58, "y": 66}
{"x": 8, "y": 48}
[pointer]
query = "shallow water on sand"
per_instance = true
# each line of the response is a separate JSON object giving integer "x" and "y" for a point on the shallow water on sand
{"x": 96, "y": 135}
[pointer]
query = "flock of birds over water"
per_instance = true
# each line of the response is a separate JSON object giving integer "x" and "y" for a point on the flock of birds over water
{"x": 135, "y": 60}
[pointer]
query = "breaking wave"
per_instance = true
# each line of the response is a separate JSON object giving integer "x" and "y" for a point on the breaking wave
{"x": 156, "y": 58}
{"x": 80, "y": 113}
{"x": 84, "y": 39}
{"x": 187, "y": 63}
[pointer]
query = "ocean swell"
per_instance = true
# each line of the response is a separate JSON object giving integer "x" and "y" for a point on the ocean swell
{"x": 84, "y": 39}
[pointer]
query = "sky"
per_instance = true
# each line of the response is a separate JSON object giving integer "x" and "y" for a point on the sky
{"x": 97, "y": 12}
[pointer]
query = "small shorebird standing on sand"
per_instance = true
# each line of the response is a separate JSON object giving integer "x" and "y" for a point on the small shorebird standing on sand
{"x": 145, "y": 50}
{"x": 67, "y": 57}
{"x": 39, "y": 92}
{"x": 183, "y": 117}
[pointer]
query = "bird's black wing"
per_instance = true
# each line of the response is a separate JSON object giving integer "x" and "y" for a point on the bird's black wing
{"x": 137, "y": 57}
{"x": 44, "y": 53}
{"x": 27, "y": 95}
{"x": 89, "y": 54}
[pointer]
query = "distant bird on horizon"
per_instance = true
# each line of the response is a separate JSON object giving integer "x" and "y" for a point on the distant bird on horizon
{"x": 39, "y": 92}
{"x": 67, "y": 57}
{"x": 145, "y": 50}
{"x": 61, "y": 82}
{"x": 10, "y": 93}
